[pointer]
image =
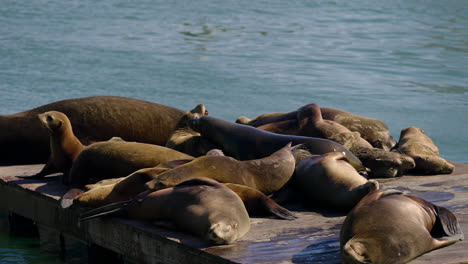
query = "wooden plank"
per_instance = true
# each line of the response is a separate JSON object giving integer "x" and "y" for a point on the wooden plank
{"x": 312, "y": 238}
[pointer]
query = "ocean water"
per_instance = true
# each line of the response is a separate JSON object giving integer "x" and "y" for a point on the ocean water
{"x": 403, "y": 62}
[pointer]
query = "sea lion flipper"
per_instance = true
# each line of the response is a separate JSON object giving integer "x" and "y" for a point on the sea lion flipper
{"x": 48, "y": 169}
{"x": 447, "y": 225}
{"x": 110, "y": 209}
{"x": 256, "y": 201}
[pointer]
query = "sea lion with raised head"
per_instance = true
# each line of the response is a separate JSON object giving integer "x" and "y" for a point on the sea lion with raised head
{"x": 64, "y": 146}
{"x": 389, "y": 227}
{"x": 416, "y": 144}
{"x": 200, "y": 206}
{"x": 373, "y": 130}
{"x": 267, "y": 174}
{"x": 96, "y": 118}
{"x": 330, "y": 182}
{"x": 186, "y": 140}
{"x": 245, "y": 142}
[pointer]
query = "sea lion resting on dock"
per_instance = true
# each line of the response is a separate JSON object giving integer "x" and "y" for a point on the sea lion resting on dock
{"x": 388, "y": 227}
{"x": 200, "y": 206}
{"x": 309, "y": 122}
{"x": 330, "y": 182}
{"x": 95, "y": 119}
{"x": 122, "y": 189}
{"x": 372, "y": 130}
{"x": 416, "y": 144}
{"x": 115, "y": 159}
{"x": 266, "y": 175}
{"x": 245, "y": 142}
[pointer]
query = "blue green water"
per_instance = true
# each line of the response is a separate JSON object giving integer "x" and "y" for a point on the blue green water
{"x": 403, "y": 62}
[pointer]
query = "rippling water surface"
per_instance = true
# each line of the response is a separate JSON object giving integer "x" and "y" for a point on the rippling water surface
{"x": 404, "y": 62}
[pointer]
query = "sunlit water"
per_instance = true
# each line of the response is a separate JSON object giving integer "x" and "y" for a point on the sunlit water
{"x": 403, "y": 62}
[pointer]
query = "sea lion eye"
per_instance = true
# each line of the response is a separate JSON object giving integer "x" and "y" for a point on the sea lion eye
{"x": 49, "y": 118}
{"x": 206, "y": 112}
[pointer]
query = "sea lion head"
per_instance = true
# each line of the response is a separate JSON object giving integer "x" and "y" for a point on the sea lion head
{"x": 222, "y": 233}
{"x": 53, "y": 120}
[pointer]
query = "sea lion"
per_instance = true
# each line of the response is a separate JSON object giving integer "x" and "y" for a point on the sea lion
{"x": 200, "y": 206}
{"x": 388, "y": 227}
{"x": 416, "y": 144}
{"x": 309, "y": 123}
{"x": 373, "y": 130}
{"x": 329, "y": 181}
{"x": 95, "y": 119}
{"x": 245, "y": 142}
{"x": 267, "y": 174}
{"x": 385, "y": 164}
{"x": 186, "y": 140}
{"x": 64, "y": 146}
{"x": 115, "y": 159}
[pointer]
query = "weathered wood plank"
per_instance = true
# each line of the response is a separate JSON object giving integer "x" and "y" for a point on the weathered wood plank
{"x": 312, "y": 238}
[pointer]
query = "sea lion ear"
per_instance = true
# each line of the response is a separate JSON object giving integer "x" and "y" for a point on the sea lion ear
{"x": 446, "y": 226}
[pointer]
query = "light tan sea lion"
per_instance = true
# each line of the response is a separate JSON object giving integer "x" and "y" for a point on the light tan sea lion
{"x": 94, "y": 119}
{"x": 266, "y": 175}
{"x": 245, "y": 142}
{"x": 388, "y": 227}
{"x": 64, "y": 146}
{"x": 186, "y": 140}
{"x": 200, "y": 206}
{"x": 416, "y": 144}
{"x": 370, "y": 129}
{"x": 115, "y": 159}
{"x": 330, "y": 182}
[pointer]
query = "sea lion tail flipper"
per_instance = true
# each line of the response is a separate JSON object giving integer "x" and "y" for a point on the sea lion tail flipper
{"x": 446, "y": 226}
{"x": 255, "y": 201}
{"x": 67, "y": 199}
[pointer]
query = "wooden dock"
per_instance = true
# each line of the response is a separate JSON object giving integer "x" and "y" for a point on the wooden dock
{"x": 312, "y": 238}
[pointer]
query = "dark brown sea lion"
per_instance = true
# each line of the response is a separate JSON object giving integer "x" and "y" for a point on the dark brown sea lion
{"x": 115, "y": 159}
{"x": 372, "y": 130}
{"x": 383, "y": 163}
{"x": 94, "y": 119}
{"x": 186, "y": 140}
{"x": 245, "y": 142}
{"x": 266, "y": 175}
{"x": 64, "y": 146}
{"x": 416, "y": 144}
{"x": 200, "y": 206}
{"x": 329, "y": 181}
{"x": 388, "y": 227}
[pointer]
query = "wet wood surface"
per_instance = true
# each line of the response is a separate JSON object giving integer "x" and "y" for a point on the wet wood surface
{"x": 312, "y": 238}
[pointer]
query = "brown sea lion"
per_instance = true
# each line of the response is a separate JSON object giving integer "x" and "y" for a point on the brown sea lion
{"x": 200, "y": 206}
{"x": 64, "y": 146}
{"x": 186, "y": 140}
{"x": 309, "y": 123}
{"x": 372, "y": 130}
{"x": 388, "y": 227}
{"x": 94, "y": 119}
{"x": 245, "y": 142}
{"x": 416, "y": 144}
{"x": 329, "y": 181}
{"x": 122, "y": 189}
{"x": 115, "y": 159}
{"x": 385, "y": 164}
{"x": 266, "y": 175}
